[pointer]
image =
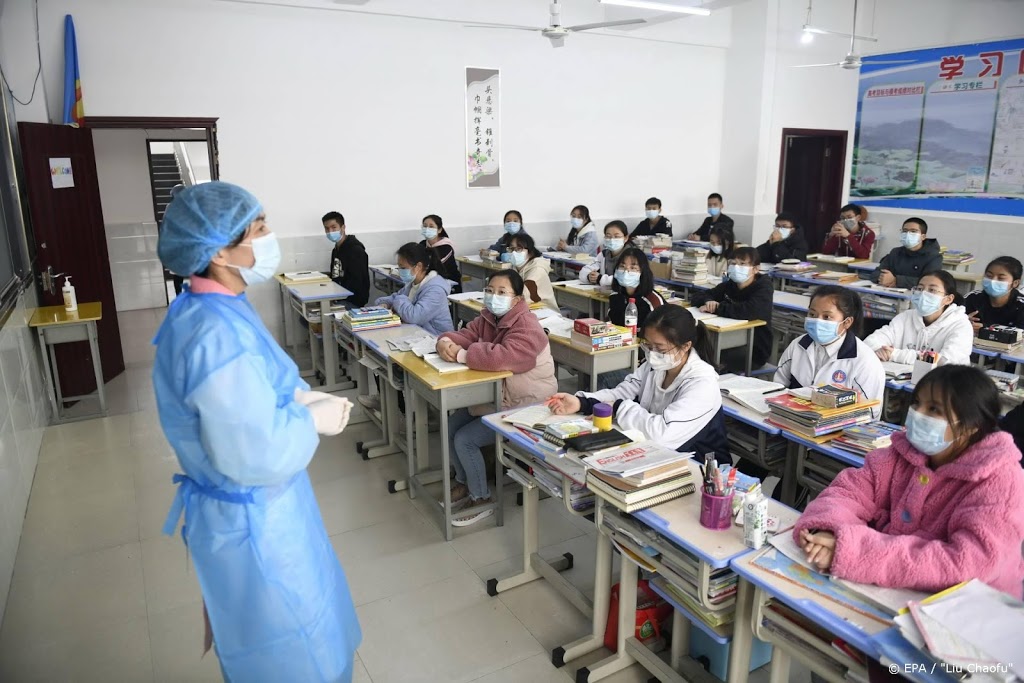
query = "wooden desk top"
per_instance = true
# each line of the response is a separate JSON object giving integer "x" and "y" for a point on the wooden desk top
{"x": 746, "y": 325}
{"x": 48, "y": 316}
{"x": 440, "y": 381}
{"x": 281, "y": 279}
{"x": 588, "y": 292}
{"x": 378, "y": 339}
{"x": 477, "y": 261}
{"x": 478, "y": 306}
{"x": 568, "y": 344}
{"x": 318, "y": 291}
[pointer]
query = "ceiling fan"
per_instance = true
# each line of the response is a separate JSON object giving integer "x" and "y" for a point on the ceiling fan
{"x": 852, "y": 60}
{"x": 554, "y": 31}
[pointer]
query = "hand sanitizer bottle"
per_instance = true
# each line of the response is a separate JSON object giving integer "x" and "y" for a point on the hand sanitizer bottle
{"x": 70, "y": 300}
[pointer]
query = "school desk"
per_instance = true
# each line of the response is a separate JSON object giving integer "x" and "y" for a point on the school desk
{"x": 512, "y": 448}
{"x": 291, "y": 334}
{"x": 468, "y": 309}
{"x": 385, "y": 279}
{"x": 839, "y": 264}
{"x": 879, "y": 302}
{"x": 751, "y": 437}
{"x": 445, "y": 391}
{"x": 588, "y": 300}
{"x": 672, "y": 530}
{"x": 982, "y": 354}
{"x": 308, "y": 301}
{"x": 1016, "y": 357}
{"x": 757, "y": 589}
{"x": 789, "y": 310}
{"x": 815, "y": 465}
{"x": 54, "y": 325}
{"x": 474, "y": 267}
{"x": 566, "y": 268}
{"x": 592, "y": 363}
{"x": 965, "y": 282}
{"x": 374, "y": 355}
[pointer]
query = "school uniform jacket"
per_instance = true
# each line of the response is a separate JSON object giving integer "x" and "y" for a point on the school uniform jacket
{"x": 857, "y": 244}
{"x": 1011, "y": 314}
{"x": 350, "y": 268}
{"x": 754, "y": 302}
{"x": 794, "y": 246}
{"x": 662, "y": 227}
{"x": 604, "y": 263}
{"x": 853, "y": 365}
{"x": 692, "y": 418}
{"x": 618, "y": 301}
{"x": 908, "y": 266}
{"x": 446, "y": 255}
{"x": 704, "y": 231}
{"x": 583, "y": 241}
{"x": 952, "y": 336}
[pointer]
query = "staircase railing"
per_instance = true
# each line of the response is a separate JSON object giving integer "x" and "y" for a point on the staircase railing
{"x": 188, "y": 176}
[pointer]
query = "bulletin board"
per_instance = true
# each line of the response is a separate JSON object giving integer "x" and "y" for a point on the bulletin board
{"x": 943, "y": 131}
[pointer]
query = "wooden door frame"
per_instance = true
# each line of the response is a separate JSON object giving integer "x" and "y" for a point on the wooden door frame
{"x": 843, "y": 135}
{"x": 164, "y": 123}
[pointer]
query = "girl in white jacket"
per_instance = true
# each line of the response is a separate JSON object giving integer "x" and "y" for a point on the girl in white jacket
{"x": 673, "y": 397}
{"x": 601, "y": 270}
{"x": 936, "y": 322}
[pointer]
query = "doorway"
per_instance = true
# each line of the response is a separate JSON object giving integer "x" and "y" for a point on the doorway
{"x": 811, "y": 170}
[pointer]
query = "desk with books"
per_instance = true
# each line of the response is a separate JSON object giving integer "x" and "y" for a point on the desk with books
{"x": 750, "y": 436}
{"x": 841, "y": 264}
{"x": 476, "y": 267}
{"x": 288, "y": 317}
{"x": 385, "y": 279}
{"x": 593, "y": 363}
{"x": 315, "y": 303}
{"x": 728, "y": 333}
{"x": 566, "y": 267}
{"x": 590, "y": 301}
{"x": 425, "y": 386}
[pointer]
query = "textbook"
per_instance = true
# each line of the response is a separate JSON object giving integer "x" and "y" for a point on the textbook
{"x": 638, "y": 500}
{"x": 634, "y": 459}
{"x": 558, "y": 433}
{"x": 749, "y": 392}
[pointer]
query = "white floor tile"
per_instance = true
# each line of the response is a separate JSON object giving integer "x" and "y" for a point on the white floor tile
{"x": 537, "y": 669}
{"x": 358, "y": 500}
{"x": 447, "y": 631}
{"x": 168, "y": 574}
{"x": 176, "y": 637}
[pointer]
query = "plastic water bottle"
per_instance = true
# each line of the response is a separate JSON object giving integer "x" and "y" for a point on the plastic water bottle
{"x": 631, "y": 317}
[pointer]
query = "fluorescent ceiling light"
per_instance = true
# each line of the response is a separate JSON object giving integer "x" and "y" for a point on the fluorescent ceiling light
{"x": 806, "y": 36}
{"x": 825, "y": 32}
{"x": 659, "y": 6}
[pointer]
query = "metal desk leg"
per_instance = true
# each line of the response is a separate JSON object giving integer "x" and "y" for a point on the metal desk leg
{"x": 593, "y": 373}
{"x": 52, "y": 387}
{"x": 288, "y": 318}
{"x": 97, "y": 366}
{"x": 680, "y": 648}
{"x": 627, "y": 626}
{"x": 446, "y": 475}
{"x": 599, "y": 617}
{"x": 718, "y": 348}
{"x": 789, "y": 482}
{"x": 742, "y": 634}
{"x": 750, "y": 349}
{"x": 388, "y": 420}
{"x": 779, "y": 672}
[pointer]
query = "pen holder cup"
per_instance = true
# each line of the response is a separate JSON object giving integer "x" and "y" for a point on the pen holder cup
{"x": 921, "y": 368}
{"x": 715, "y": 511}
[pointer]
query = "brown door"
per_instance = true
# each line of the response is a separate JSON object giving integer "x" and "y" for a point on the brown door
{"x": 67, "y": 223}
{"x": 811, "y": 179}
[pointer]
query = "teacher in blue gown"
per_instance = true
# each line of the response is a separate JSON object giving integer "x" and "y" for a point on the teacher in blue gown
{"x": 244, "y": 428}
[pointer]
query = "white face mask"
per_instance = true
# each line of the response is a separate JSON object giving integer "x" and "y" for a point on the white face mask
{"x": 716, "y": 248}
{"x": 576, "y": 222}
{"x": 662, "y": 361}
{"x": 652, "y": 213}
{"x": 614, "y": 243}
{"x": 267, "y": 253}
{"x": 926, "y": 433}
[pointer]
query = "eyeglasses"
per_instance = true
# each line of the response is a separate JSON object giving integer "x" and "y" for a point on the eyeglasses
{"x": 734, "y": 262}
{"x": 631, "y": 269}
{"x": 931, "y": 290}
{"x": 499, "y": 292}
{"x": 515, "y": 250}
{"x": 647, "y": 348}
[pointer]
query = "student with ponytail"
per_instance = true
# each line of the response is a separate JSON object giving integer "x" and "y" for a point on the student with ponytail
{"x": 436, "y": 237}
{"x": 673, "y": 397}
{"x": 423, "y": 300}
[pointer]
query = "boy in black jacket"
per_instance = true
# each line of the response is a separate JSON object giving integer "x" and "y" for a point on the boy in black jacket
{"x": 746, "y": 295}
{"x": 350, "y": 266}
{"x": 786, "y": 241}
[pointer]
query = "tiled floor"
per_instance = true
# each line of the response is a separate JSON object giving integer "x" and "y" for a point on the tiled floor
{"x": 100, "y": 595}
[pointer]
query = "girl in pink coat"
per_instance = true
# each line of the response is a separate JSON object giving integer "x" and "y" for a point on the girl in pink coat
{"x": 943, "y": 504}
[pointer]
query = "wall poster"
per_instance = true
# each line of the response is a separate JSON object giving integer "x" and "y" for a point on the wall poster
{"x": 943, "y": 131}
{"x": 483, "y": 168}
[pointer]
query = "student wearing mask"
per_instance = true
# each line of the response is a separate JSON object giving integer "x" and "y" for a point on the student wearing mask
{"x": 999, "y": 301}
{"x": 601, "y": 270}
{"x": 513, "y": 224}
{"x": 633, "y": 280}
{"x": 654, "y": 223}
{"x": 423, "y": 300}
{"x": 350, "y": 267}
{"x": 505, "y": 336}
{"x": 943, "y": 504}
{"x": 533, "y": 268}
{"x": 903, "y": 266}
{"x": 747, "y": 295}
{"x": 673, "y": 397}
{"x": 830, "y": 352}
{"x": 582, "y": 235}
{"x": 850, "y": 235}
{"x": 787, "y": 241}
{"x": 436, "y": 237}
{"x": 715, "y": 219}
{"x": 722, "y": 245}
{"x": 935, "y": 322}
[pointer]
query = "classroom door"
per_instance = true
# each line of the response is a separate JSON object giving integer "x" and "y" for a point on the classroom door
{"x": 811, "y": 179}
{"x": 67, "y": 223}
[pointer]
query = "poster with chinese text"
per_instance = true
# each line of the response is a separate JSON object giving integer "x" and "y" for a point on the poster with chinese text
{"x": 483, "y": 166}
{"x": 942, "y": 131}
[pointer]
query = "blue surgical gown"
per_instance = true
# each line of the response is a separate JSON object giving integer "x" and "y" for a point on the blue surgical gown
{"x": 276, "y": 595}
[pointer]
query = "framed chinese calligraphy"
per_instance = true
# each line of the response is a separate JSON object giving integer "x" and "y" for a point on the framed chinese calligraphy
{"x": 943, "y": 131}
{"x": 483, "y": 165}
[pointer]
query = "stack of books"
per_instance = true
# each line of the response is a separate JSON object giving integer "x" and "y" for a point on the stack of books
{"x": 956, "y": 257}
{"x": 862, "y": 439}
{"x": 639, "y": 475}
{"x": 369, "y": 318}
{"x": 580, "y": 497}
{"x": 1006, "y": 382}
{"x": 591, "y": 334}
{"x": 836, "y": 276}
{"x": 794, "y": 266}
{"x": 690, "y": 265}
{"x": 802, "y": 417}
{"x": 999, "y": 338}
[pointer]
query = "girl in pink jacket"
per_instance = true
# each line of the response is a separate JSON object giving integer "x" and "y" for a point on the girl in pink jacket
{"x": 505, "y": 336}
{"x": 943, "y": 504}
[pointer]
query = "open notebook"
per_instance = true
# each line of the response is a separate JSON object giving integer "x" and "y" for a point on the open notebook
{"x": 749, "y": 391}
{"x": 897, "y": 371}
{"x": 435, "y": 361}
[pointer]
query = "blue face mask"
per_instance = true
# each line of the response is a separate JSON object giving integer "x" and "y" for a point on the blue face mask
{"x": 714, "y": 211}
{"x": 498, "y": 304}
{"x": 995, "y": 287}
{"x": 267, "y": 253}
{"x": 910, "y": 239}
{"x": 823, "y": 332}
{"x": 614, "y": 243}
{"x": 428, "y": 233}
{"x": 576, "y": 222}
{"x": 627, "y": 278}
{"x": 406, "y": 275}
{"x": 652, "y": 213}
{"x": 738, "y": 273}
{"x": 926, "y": 433}
{"x": 512, "y": 227}
{"x": 517, "y": 258}
{"x": 334, "y": 235}
{"x": 716, "y": 249}
{"x": 926, "y": 303}
{"x": 785, "y": 232}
